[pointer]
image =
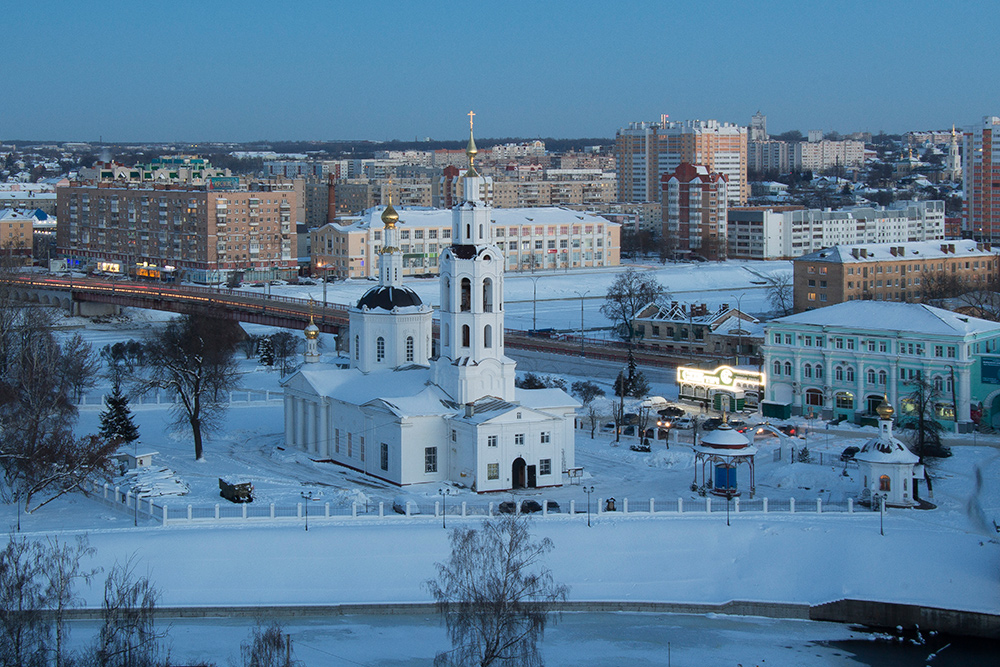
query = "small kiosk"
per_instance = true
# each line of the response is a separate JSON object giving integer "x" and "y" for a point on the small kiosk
{"x": 718, "y": 457}
{"x": 726, "y": 388}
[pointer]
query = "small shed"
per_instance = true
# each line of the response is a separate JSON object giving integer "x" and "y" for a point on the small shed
{"x": 133, "y": 460}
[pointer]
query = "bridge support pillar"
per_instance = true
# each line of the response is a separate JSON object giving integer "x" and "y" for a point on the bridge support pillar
{"x": 91, "y": 309}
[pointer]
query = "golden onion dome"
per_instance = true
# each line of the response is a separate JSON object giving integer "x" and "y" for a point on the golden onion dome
{"x": 389, "y": 216}
{"x": 884, "y": 410}
{"x": 312, "y": 331}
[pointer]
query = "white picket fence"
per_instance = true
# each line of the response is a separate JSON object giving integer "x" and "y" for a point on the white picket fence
{"x": 163, "y": 512}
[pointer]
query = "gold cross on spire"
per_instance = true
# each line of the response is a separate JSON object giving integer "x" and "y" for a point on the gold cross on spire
{"x": 471, "y": 114}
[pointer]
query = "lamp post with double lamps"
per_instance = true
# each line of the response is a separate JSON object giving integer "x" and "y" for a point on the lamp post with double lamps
{"x": 588, "y": 491}
{"x": 445, "y": 492}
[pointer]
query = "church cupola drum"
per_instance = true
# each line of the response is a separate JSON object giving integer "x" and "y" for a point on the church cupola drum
{"x": 471, "y": 362}
{"x": 390, "y": 327}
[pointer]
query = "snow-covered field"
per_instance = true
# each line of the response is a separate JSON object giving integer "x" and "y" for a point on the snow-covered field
{"x": 948, "y": 557}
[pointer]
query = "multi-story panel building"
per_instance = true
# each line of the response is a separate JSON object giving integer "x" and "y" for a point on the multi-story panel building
{"x": 183, "y": 169}
{"x": 644, "y": 152}
{"x": 839, "y": 362}
{"x": 205, "y": 235}
{"x": 769, "y": 155}
{"x": 786, "y": 232}
{"x": 694, "y": 212}
{"x": 824, "y": 154}
{"x": 887, "y": 271}
{"x": 981, "y": 169}
{"x": 16, "y": 232}
{"x": 535, "y": 238}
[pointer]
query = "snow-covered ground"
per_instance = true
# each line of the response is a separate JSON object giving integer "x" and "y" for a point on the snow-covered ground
{"x": 948, "y": 557}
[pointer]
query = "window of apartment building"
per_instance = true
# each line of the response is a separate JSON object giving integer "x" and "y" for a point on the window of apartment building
{"x": 492, "y": 471}
{"x": 819, "y": 372}
{"x": 838, "y": 343}
{"x": 377, "y": 236}
{"x": 777, "y": 368}
{"x": 871, "y": 346}
{"x": 951, "y": 352}
{"x": 383, "y": 456}
{"x": 454, "y": 435}
{"x": 822, "y": 297}
{"x": 446, "y": 233}
{"x": 811, "y": 269}
{"x": 777, "y": 338}
{"x": 807, "y": 371}
{"x": 418, "y": 233}
{"x": 849, "y": 374}
{"x": 430, "y": 459}
{"x": 838, "y": 374}
{"x": 811, "y": 296}
{"x": 850, "y": 343}
{"x": 939, "y": 350}
{"x": 822, "y": 270}
{"x": 492, "y": 440}
{"x": 518, "y": 438}
{"x": 336, "y": 440}
{"x": 822, "y": 284}
{"x": 545, "y": 466}
{"x": 788, "y": 368}
{"x": 433, "y": 233}
{"x": 850, "y": 270}
{"x": 563, "y": 243}
{"x": 807, "y": 341}
{"x": 788, "y": 339}
{"x": 538, "y": 245}
{"x": 404, "y": 234}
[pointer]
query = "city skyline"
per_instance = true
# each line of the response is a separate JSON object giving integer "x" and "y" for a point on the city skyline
{"x": 394, "y": 70}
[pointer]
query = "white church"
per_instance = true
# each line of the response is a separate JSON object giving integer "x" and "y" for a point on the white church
{"x": 407, "y": 417}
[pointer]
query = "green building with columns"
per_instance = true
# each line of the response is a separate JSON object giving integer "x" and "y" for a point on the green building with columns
{"x": 837, "y": 362}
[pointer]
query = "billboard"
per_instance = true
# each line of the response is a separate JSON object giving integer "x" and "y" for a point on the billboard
{"x": 989, "y": 370}
{"x": 223, "y": 183}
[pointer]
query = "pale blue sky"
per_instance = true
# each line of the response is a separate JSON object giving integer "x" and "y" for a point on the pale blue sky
{"x": 242, "y": 71}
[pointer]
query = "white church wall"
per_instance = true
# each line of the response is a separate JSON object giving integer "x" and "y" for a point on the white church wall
{"x": 418, "y": 434}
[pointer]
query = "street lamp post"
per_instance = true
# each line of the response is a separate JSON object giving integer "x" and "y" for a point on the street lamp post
{"x": 583, "y": 352}
{"x": 880, "y": 497}
{"x": 534, "y": 302}
{"x": 445, "y": 492}
{"x": 588, "y": 491}
{"x": 729, "y": 496}
{"x": 954, "y": 402}
{"x": 308, "y": 498}
{"x": 739, "y": 329}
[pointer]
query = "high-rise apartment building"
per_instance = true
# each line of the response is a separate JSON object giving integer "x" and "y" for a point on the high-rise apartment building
{"x": 204, "y": 234}
{"x": 758, "y": 127}
{"x": 694, "y": 211}
{"x": 645, "y": 152}
{"x": 981, "y": 169}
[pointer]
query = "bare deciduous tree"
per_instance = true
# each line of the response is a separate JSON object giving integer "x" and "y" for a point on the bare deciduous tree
{"x": 193, "y": 357}
{"x": 780, "y": 295}
{"x": 128, "y": 636}
{"x": 628, "y": 295}
{"x": 63, "y": 567}
{"x": 23, "y": 631}
{"x": 495, "y": 593}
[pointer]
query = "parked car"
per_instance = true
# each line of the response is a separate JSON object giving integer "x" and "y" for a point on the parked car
{"x": 671, "y": 412}
{"x": 711, "y": 424}
{"x": 684, "y": 423}
{"x": 848, "y": 453}
{"x": 528, "y": 506}
{"x": 399, "y": 505}
{"x": 553, "y": 506}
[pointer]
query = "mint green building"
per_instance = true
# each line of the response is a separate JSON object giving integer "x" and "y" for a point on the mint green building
{"x": 839, "y": 361}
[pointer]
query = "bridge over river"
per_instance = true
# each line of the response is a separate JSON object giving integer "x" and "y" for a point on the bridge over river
{"x": 86, "y": 296}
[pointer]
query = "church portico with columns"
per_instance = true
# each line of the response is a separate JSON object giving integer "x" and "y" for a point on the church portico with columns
{"x": 838, "y": 362}
{"x": 409, "y": 414}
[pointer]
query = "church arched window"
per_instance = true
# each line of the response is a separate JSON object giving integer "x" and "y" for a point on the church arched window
{"x": 466, "y": 295}
{"x": 481, "y": 232}
{"x": 465, "y": 335}
{"x": 357, "y": 348}
{"x": 447, "y": 294}
{"x": 468, "y": 232}
{"x": 488, "y": 336}
{"x": 884, "y": 484}
{"x": 379, "y": 349}
{"x": 409, "y": 348}
{"x": 446, "y": 334}
{"x": 488, "y": 295}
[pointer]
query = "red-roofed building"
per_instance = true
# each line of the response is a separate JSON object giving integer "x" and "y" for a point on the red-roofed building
{"x": 694, "y": 211}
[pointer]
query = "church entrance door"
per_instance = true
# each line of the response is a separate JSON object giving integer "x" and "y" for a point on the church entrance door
{"x": 531, "y": 477}
{"x": 518, "y": 474}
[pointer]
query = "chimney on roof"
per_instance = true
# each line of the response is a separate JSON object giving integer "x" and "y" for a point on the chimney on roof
{"x": 951, "y": 248}
{"x": 864, "y": 253}
{"x": 892, "y": 251}
{"x": 855, "y": 253}
{"x": 470, "y": 410}
{"x": 944, "y": 248}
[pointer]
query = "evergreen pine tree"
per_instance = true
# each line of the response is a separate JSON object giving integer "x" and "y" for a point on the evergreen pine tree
{"x": 265, "y": 352}
{"x": 116, "y": 420}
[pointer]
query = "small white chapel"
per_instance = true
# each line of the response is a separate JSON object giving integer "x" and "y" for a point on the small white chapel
{"x": 406, "y": 415}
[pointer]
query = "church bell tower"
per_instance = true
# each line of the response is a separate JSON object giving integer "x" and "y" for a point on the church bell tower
{"x": 471, "y": 362}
